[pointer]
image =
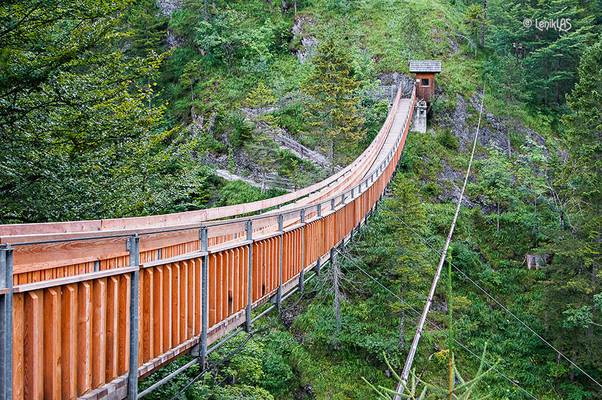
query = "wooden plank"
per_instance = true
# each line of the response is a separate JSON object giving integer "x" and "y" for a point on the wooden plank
{"x": 212, "y": 295}
{"x": 167, "y": 307}
{"x": 183, "y": 323}
{"x": 230, "y": 281}
{"x": 198, "y": 295}
{"x": 112, "y": 369}
{"x": 158, "y": 312}
{"x": 221, "y": 284}
{"x": 191, "y": 297}
{"x": 99, "y": 329}
{"x": 52, "y": 344}
{"x": 84, "y": 337}
{"x": 147, "y": 315}
{"x": 123, "y": 324}
{"x": 18, "y": 343}
{"x": 175, "y": 305}
{"x": 51, "y": 255}
{"x": 34, "y": 345}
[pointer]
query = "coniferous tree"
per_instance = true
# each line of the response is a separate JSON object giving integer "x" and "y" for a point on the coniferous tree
{"x": 334, "y": 105}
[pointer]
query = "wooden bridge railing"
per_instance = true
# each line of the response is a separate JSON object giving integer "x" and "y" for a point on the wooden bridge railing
{"x": 91, "y": 326}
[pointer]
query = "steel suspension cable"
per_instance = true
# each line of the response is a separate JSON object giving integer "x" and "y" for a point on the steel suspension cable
{"x": 410, "y": 359}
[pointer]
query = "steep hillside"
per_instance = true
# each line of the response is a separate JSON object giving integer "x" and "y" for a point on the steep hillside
{"x": 515, "y": 216}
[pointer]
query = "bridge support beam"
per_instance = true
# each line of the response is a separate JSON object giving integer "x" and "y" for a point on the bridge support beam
{"x": 6, "y": 322}
{"x": 249, "y": 308}
{"x": 204, "y": 237}
{"x": 134, "y": 248}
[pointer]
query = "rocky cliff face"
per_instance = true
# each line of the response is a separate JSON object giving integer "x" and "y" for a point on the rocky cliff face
{"x": 306, "y": 42}
{"x": 168, "y": 7}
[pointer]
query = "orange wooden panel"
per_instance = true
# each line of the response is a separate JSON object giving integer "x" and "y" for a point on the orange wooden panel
{"x": 147, "y": 315}
{"x": 111, "y": 369}
{"x": 212, "y": 287}
{"x": 157, "y": 326}
{"x": 84, "y": 337}
{"x": 34, "y": 345}
{"x": 124, "y": 324}
{"x": 198, "y": 267}
{"x": 52, "y": 344}
{"x": 175, "y": 304}
{"x": 99, "y": 324}
{"x": 18, "y": 342}
{"x": 183, "y": 317}
{"x": 223, "y": 286}
{"x": 167, "y": 307}
{"x": 190, "y": 302}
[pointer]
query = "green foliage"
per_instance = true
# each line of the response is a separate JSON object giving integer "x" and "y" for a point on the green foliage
{"x": 550, "y": 59}
{"x": 260, "y": 96}
{"x": 447, "y": 139}
{"x": 333, "y": 108}
{"x": 79, "y": 119}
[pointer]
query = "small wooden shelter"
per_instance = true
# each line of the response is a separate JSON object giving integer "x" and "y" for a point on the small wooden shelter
{"x": 425, "y": 71}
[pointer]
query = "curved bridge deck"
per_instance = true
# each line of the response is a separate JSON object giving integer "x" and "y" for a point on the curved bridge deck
{"x": 89, "y": 306}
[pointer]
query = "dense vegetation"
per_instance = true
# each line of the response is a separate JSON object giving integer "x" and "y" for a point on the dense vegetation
{"x": 116, "y": 108}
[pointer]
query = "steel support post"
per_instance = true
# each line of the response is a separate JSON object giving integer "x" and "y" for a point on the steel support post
{"x": 332, "y": 204}
{"x": 302, "y": 273}
{"x": 134, "y": 249}
{"x": 319, "y": 210}
{"x": 281, "y": 242}
{"x": 248, "y": 320}
{"x": 204, "y": 237}
{"x": 6, "y": 323}
{"x": 318, "y": 265}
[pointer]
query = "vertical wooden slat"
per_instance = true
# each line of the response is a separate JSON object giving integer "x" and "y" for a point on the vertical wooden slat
{"x": 220, "y": 287}
{"x": 111, "y": 369}
{"x": 158, "y": 312}
{"x": 197, "y": 298}
{"x": 99, "y": 324}
{"x": 34, "y": 345}
{"x": 212, "y": 295}
{"x": 84, "y": 347}
{"x": 147, "y": 315}
{"x": 191, "y": 295}
{"x": 231, "y": 271}
{"x": 124, "y": 324}
{"x": 167, "y": 307}
{"x": 183, "y": 301}
{"x": 175, "y": 304}
{"x": 18, "y": 353}
{"x": 52, "y": 344}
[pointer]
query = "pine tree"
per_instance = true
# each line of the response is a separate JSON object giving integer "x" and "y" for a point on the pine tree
{"x": 333, "y": 107}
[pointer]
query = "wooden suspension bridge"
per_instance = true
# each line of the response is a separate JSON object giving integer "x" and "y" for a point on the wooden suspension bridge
{"x": 88, "y": 307}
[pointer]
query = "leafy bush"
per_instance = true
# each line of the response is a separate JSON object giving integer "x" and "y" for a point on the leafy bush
{"x": 448, "y": 140}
